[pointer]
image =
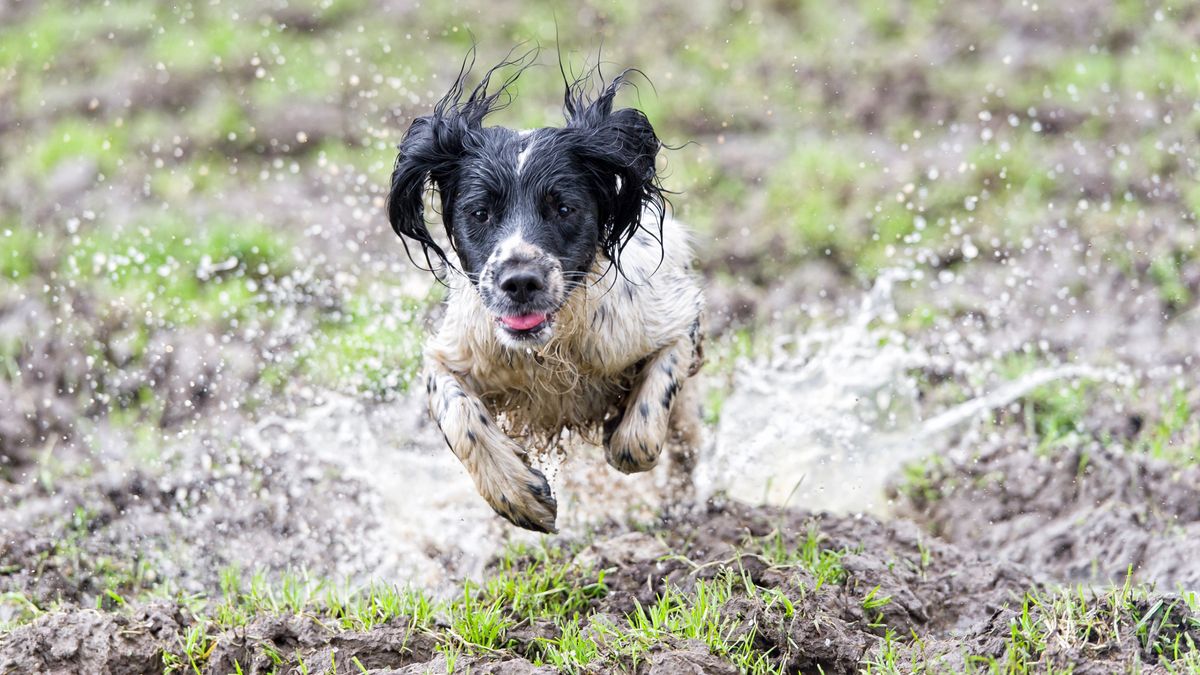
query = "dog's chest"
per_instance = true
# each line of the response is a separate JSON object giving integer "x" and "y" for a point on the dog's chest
{"x": 571, "y": 383}
{"x": 539, "y": 396}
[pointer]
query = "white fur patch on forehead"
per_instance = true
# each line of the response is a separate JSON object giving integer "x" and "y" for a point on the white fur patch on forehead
{"x": 515, "y": 246}
{"x": 524, "y": 154}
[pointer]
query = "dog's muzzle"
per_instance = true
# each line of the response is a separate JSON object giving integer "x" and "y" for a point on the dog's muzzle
{"x": 527, "y": 290}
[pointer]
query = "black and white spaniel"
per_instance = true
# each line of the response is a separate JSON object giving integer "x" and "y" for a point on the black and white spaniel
{"x": 572, "y": 305}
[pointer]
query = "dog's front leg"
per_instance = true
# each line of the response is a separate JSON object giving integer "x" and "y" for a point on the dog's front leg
{"x": 514, "y": 490}
{"x": 634, "y": 439}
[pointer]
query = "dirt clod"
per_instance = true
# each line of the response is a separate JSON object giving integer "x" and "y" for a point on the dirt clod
{"x": 89, "y": 641}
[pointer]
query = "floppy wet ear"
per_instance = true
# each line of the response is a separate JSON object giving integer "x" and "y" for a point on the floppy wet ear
{"x": 618, "y": 150}
{"x": 429, "y": 152}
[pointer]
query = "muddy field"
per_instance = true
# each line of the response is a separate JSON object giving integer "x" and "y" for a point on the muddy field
{"x": 723, "y": 589}
{"x": 950, "y": 257}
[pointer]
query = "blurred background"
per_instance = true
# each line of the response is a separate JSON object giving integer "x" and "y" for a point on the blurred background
{"x": 961, "y": 227}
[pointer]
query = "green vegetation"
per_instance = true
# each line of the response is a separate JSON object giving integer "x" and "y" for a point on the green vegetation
{"x": 1175, "y": 436}
{"x": 823, "y": 563}
{"x": 370, "y": 346}
{"x": 722, "y": 607}
{"x": 825, "y": 196}
{"x": 698, "y": 615}
{"x": 177, "y": 272}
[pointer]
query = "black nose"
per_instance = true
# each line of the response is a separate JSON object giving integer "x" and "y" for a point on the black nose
{"x": 521, "y": 283}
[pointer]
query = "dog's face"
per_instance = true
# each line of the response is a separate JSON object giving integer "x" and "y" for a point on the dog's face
{"x": 525, "y": 223}
{"x": 527, "y": 212}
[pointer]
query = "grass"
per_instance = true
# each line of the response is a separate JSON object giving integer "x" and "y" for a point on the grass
{"x": 1175, "y": 436}
{"x": 78, "y": 138}
{"x": 1056, "y": 418}
{"x": 151, "y": 278}
{"x": 1088, "y": 619}
{"x": 698, "y": 615}
{"x": 103, "y": 580}
{"x": 371, "y": 346}
{"x": 257, "y": 62}
{"x": 1049, "y": 628}
{"x": 542, "y": 583}
{"x": 823, "y": 563}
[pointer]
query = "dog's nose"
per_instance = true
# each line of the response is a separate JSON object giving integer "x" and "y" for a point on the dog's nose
{"x": 521, "y": 283}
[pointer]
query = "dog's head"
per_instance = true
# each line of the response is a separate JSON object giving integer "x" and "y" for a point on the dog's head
{"x": 527, "y": 212}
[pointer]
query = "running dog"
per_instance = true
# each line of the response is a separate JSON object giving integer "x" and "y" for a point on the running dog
{"x": 573, "y": 306}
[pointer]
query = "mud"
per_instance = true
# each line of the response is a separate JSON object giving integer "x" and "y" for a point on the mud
{"x": 960, "y": 601}
{"x": 1085, "y": 515}
{"x": 89, "y": 641}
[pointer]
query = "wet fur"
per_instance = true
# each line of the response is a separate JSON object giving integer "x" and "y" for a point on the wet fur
{"x": 616, "y": 367}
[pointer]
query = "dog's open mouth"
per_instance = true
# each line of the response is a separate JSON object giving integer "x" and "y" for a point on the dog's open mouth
{"x": 525, "y": 325}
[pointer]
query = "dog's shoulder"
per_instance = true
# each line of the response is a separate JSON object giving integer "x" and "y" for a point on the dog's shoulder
{"x": 657, "y": 289}
{"x": 653, "y": 300}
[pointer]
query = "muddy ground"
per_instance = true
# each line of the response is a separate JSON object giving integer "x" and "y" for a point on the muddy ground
{"x": 950, "y": 256}
{"x": 960, "y": 602}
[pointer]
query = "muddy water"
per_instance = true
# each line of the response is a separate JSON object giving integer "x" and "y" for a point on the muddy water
{"x": 432, "y": 526}
{"x": 829, "y": 412}
{"x": 823, "y": 423}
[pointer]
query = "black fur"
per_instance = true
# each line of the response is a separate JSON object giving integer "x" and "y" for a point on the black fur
{"x": 582, "y": 192}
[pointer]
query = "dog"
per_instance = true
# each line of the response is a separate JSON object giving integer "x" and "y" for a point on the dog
{"x": 573, "y": 306}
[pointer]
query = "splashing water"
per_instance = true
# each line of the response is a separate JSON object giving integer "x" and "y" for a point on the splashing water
{"x": 423, "y": 518}
{"x": 821, "y": 423}
{"x": 829, "y": 416}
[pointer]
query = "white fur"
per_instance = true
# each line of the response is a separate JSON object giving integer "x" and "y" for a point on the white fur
{"x": 524, "y": 154}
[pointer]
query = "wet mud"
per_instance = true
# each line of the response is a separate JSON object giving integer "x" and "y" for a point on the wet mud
{"x": 1084, "y": 515}
{"x": 959, "y": 600}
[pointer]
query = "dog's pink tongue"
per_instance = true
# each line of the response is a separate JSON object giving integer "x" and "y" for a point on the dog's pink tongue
{"x": 524, "y": 321}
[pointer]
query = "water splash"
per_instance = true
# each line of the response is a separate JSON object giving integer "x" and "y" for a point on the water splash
{"x": 427, "y": 523}
{"x": 829, "y": 416}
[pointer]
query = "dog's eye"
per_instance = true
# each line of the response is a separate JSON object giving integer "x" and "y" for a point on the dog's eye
{"x": 480, "y": 215}
{"x": 564, "y": 211}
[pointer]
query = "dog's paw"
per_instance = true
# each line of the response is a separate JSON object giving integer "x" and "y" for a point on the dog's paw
{"x": 530, "y": 504}
{"x": 632, "y": 448}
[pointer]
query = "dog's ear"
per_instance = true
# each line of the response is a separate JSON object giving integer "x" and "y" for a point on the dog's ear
{"x": 429, "y": 152}
{"x": 433, "y": 146}
{"x": 618, "y": 149}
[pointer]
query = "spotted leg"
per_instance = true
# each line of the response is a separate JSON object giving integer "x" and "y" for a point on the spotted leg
{"x": 514, "y": 490}
{"x": 634, "y": 439}
{"x": 683, "y": 442}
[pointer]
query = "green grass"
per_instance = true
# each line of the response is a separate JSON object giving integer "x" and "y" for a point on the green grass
{"x": 726, "y": 612}
{"x": 1051, "y": 630}
{"x": 21, "y": 252}
{"x": 59, "y": 29}
{"x": 542, "y": 583}
{"x": 371, "y": 346}
{"x": 180, "y": 272}
{"x": 822, "y": 193}
{"x": 478, "y": 625}
{"x": 74, "y": 138}
{"x": 1175, "y": 435}
{"x": 1089, "y": 618}
{"x": 245, "y": 598}
{"x": 696, "y": 615}
{"x": 808, "y": 552}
